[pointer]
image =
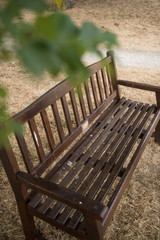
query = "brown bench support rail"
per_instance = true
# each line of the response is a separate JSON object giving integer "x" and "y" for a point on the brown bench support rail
{"x": 142, "y": 86}
{"x": 79, "y": 152}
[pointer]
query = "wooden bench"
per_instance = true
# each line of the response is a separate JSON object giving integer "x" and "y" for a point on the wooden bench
{"x": 78, "y": 153}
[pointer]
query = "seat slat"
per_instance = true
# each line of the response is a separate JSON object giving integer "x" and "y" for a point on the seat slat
{"x": 124, "y": 155}
{"x": 90, "y": 164}
{"x": 121, "y": 147}
{"x": 66, "y": 180}
{"x": 87, "y": 141}
{"x": 75, "y": 134}
{"x": 65, "y": 167}
{"x": 45, "y": 206}
{"x": 77, "y": 216}
{"x": 86, "y": 137}
{"x": 123, "y": 130}
{"x": 94, "y": 145}
{"x": 90, "y": 139}
{"x": 133, "y": 162}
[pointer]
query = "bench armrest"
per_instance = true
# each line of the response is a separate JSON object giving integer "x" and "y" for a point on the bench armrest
{"x": 143, "y": 86}
{"x": 87, "y": 206}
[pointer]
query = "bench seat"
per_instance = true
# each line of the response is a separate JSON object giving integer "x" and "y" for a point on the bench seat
{"x": 97, "y": 166}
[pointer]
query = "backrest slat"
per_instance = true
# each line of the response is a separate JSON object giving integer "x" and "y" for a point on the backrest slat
{"x": 75, "y": 109}
{"x": 113, "y": 72}
{"x": 100, "y": 86}
{"x": 58, "y": 121}
{"x": 94, "y": 91}
{"x": 67, "y": 114}
{"x": 48, "y": 130}
{"x": 25, "y": 153}
{"x": 103, "y": 71}
{"x": 89, "y": 100}
{"x": 37, "y": 140}
{"x": 109, "y": 79}
{"x": 82, "y": 104}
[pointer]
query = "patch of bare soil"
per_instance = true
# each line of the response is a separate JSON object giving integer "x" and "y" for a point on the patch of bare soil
{"x": 137, "y": 26}
{"x": 135, "y": 22}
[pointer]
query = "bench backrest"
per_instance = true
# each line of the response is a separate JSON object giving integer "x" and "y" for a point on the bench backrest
{"x": 58, "y": 117}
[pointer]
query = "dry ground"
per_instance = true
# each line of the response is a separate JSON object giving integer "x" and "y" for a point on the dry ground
{"x": 137, "y": 25}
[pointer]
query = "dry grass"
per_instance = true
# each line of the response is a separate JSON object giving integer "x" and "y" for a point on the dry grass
{"x": 138, "y": 214}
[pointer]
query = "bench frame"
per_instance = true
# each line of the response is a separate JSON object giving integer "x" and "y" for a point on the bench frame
{"x": 96, "y": 215}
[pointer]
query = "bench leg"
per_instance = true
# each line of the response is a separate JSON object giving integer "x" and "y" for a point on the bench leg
{"x": 27, "y": 221}
{"x": 94, "y": 229}
{"x": 157, "y": 130}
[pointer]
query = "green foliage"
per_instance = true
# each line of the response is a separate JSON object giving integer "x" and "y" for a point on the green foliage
{"x": 50, "y": 43}
{"x": 60, "y": 4}
{"x": 7, "y": 125}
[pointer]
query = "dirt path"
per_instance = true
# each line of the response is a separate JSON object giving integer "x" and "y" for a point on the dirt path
{"x": 127, "y": 58}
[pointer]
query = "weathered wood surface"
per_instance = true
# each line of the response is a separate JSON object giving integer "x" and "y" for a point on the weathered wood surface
{"x": 93, "y": 140}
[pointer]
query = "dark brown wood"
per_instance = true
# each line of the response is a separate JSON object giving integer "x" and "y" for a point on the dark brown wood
{"x": 39, "y": 236}
{"x": 25, "y": 153}
{"x": 142, "y": 86}
{"x": 74, "y": 105}
{"x": 113, "y": 72}
{"x": 89, "y": 100}
{"x": 58, "y": 121}
{"x": 101, "y": 163}
{"x": 64, "y": 168}
{"x": 104, "y": 77}
{"x": 94, "y": 91}
{"x": 94, "y": 209}
{"x": 44, "y": 101}
{"x": 40, "y": 169}
{"x": 89, "y": 180}
{"x": 86, "y": 140}
{"x": 93, "y": 68}
{"x": 109, "y": 165}
{"x": 94, "y": 229}
{"x": 125, "y": 153}
{"x": 86, "y": 169}
{"x": 82, "y": 104}
{"x": 48, "y": 129}
{"x": 67, "y": 114}
{"x": 100, "y": 86}
{"x": 114, "y": 200}
{"x": 110, "y": 84}
{"x": 83, "y": 160}
{"x": 37, "y": 140}
{"x": 11, "y": 167}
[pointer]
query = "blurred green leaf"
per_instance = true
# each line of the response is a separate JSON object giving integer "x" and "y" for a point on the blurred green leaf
{"x": 3, "y": 92}
{"x": 38, "y": 58}
{"x": 111, "y": 39}
{"x": 50, "y": 43}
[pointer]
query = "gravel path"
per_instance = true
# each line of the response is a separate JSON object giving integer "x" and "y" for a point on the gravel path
{"x": 130, "y": 58}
